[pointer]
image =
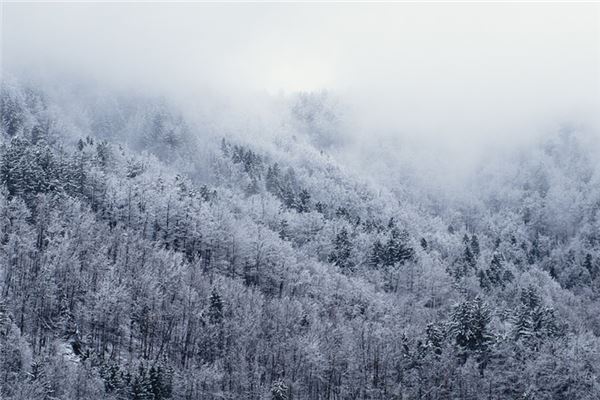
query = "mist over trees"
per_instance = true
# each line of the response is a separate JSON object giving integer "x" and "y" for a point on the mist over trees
{"x": 144, "y": 258}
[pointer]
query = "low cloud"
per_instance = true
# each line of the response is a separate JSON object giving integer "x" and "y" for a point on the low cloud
{"x": 452, "y": 81}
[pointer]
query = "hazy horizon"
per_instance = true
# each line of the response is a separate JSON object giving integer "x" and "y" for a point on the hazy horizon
{"x": 430, "y": 69}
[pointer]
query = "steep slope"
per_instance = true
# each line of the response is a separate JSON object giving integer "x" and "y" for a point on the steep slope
{"x": 158, "y": 262}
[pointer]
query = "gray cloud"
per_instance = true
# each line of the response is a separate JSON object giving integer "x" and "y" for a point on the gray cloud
{"x": 453, "y": 79}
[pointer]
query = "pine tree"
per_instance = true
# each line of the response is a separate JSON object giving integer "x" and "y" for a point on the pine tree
{"x": 530, "y": 297}
{"x": 532, "y": 321}
{"x": 287, "y": 189}
{"x": 206, "y": 194}
{"x": 12, "y": 114}
{"x": 38, "y": 377}
{"x": 103, "y": 153}
{"x": 340, "y": 256}
{"x": 496, "y": 275}
{"x": 272, "y": 183}
{"x": 160, "y": 384}
{"x": 523, "y": 324}
{"x": 484, "y": 279}
{"x": 252, "y": 188}
{"x": 320, "y": 207}
{"x": 215, "y": 308}
{"x": 470, "y": 321}
{"x": 475, "y": 245}
{"x": 225, "y": 147}
{"x": 469, "y": 326}
{"x": 4, "y": 319}
{"x": 342, "y": 212}
{"x": 279, "y": 390}
{"x": 534, "y": 253}
{"x": 113, "y": 377}
{"x": 465, "y": 239}
{"x": 283, "y": 229}
{"x": 397, "y": 250}
{"x": 141, "y": 388}
{"x": 303, "y": 201}
{"x": 435, "y": 337}
{"x": 589, "y": 265}
{"x": 465, "y": 265}
{"x": 377, "y": 254}
{"x": 552, "y": 272}
{"x": 469, "y": 258}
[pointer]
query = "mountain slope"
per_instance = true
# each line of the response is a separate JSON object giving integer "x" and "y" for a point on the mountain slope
{"x": 160, "y": 262}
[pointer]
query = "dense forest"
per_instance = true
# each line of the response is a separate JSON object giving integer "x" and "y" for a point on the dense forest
{"x": 144, "y": 256}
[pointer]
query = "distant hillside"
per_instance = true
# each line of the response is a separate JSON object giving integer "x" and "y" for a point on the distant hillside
{"x": 142, "y": 257}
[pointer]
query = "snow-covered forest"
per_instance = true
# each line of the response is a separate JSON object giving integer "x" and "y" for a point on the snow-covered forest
{"x": 149, "y": 252}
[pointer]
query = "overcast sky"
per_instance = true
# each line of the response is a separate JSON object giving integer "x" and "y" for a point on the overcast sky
{"x": 481, "y": 73}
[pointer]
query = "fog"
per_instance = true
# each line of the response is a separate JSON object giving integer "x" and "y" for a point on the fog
{"x": 436, "y": 83}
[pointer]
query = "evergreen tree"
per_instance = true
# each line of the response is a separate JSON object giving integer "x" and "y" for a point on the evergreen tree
{"x": 434, "y": 337}
{"x": 469, "y": 260}
{"x": 496, "y": 275}
{"x": 470, "y": 328}
{"x": 284, "y": 229}
{"x": 206, "y": 194}
{"x": 532, "y": 321}
{"x": 484, "y": 279}
{"x": 465, "y": 239}
{"x": 279, "y": 390}
{"x": 4, "y": 319}
{"x": 252, "y": 188}
{"x": 589, "y": 265}
{"x": 225, "y": 147}
{"x": 377, "y": 254}
{"x": 113, "y": 377}
{"x": 141, "y": 387}
{"x": 475, "y": 245}
{"x": 39, "y": 378}
{"x": 160, "y": 383}
{"x": 103, "y": 153}
{"x": 12, "y": 114}
{"x": 397, "y": 250}
{"x": 465, "y": 265}
{"x": 534, "y": 252}
{"x": 215, "y": 308}
{"x": 342, "y": 212}
{"x": 272, "y": 183}
{"x": 320, "y": 207}
{"x": 340, "y": 256}
{"x": 303, "y": 201}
